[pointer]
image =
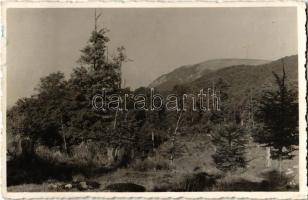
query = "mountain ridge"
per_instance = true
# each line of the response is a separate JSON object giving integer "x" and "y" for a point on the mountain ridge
{"x": 243, "y": 79}
{"x": 188, "y": 73}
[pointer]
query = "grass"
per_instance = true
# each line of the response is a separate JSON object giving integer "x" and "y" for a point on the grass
{"x": 150, "y": 164}
{"x": 194, "y": 170}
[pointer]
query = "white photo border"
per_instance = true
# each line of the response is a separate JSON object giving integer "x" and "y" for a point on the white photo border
{"x": 301, "y": 20}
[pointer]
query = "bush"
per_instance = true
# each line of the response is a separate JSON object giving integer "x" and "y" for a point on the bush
{"x": 90, "y": 155}
{"x": 277, "y": 181}
{"x": 273, "y": 181}
{"x": 50, "y": 163}
{"x": 51, "y": 155}
{"x": 25, "y": 169}
{"x": 198, "y": 182}
{"x": 241, "y": 185}
{"x": 188, "y": 183}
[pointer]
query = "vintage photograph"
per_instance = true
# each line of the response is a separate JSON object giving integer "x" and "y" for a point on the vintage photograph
{"x": 187, "y": 99}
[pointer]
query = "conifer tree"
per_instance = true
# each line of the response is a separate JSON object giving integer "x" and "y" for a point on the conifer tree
{"x": 278, "y": 115}
{"x": 231, "y": 143}
{"x": 94, "y": 75}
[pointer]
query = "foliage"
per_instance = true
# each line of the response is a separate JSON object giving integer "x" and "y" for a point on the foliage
{"x": 278, "y": 115}
{"x": 61, "y": 113}
{"x": 231, "y": 143}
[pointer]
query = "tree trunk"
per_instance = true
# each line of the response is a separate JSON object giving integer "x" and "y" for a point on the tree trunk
{"x": 280, "y": 166}
{"x": 63, "y": 136}
{"x": 174, "y": 137}
{"x": 177, "y": 124}
{"x": 153, "y": 140}
{"x": 115, "y": 120}
{"x": 64, "y": 141}
{"x": 110, "y": 155}
{"x": 126, "y": 116}
{"x": 268, "y": 157}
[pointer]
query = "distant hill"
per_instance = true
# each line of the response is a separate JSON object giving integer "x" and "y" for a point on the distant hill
{"x": 190, "y": 73}
{"x": 242, "y": 78}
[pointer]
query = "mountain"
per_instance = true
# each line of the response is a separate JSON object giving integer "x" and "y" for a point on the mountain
{"x": 243, "y": 78}
{"x": 189, "y": 73}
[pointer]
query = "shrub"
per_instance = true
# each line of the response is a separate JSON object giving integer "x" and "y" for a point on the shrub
{"x": 89, "y": 154}
{"x": 51, "y": 155}
{"x": 277, "y": 181}
{"x": 198, "y": 182}
{"x": 273, "y": 181}
{"x": 188, "y": 183}
{"x": 240, "y": 185}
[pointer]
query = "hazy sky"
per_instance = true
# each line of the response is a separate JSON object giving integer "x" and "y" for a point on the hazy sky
{"x": 158, "y": 40}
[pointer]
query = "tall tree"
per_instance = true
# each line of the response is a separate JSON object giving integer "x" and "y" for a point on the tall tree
{"x": 95, "y": 74}
{"x": 278, "y": 115}
{"x": 53, "y": 99}
{"x": 42, "y": 117}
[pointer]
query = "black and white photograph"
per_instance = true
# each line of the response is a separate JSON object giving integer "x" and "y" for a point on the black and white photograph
{"x": 154, "y": 99}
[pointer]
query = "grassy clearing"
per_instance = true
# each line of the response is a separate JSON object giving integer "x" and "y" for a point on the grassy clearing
{"x": 194, "y": 170}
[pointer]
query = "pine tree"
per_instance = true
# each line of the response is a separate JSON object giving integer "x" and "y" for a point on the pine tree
{"x": 104, "y": 73}
{"x": 278, "y": 115}
{"x": 95, "y": 74}
{"x": 231, "y": 143}
{"x": 94, "y": 53}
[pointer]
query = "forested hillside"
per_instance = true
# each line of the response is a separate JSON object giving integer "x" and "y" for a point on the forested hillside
{"x": 189, "y": 73}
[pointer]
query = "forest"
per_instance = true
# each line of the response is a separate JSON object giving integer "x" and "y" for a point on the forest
{"x": 57, "y": 141}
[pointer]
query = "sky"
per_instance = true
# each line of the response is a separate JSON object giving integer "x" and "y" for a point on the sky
{"x": 157, "y": 40}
